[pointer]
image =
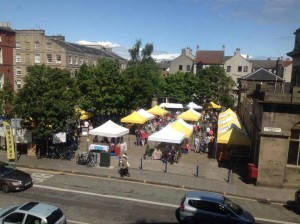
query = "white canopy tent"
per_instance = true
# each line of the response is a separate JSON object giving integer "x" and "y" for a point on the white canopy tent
{"x": 146, "y": 114}
{"x": 167, "y": 134}
{"x": 171, "y": 105}
{"x": 193, "y": 105}
{"x": 109, "y": 129}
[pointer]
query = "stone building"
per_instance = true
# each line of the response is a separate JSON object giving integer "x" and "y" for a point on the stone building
{"x": 33, "y": 47}
{"x": 7, "y": 45}
{"x": 272, "y": 120}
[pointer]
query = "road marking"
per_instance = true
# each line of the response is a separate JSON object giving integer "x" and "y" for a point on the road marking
{"x": 108, "y": 196}
{"x": 71, "y": 221}
{"x": 40, "y": 177}
{"x": 273, "y": 221}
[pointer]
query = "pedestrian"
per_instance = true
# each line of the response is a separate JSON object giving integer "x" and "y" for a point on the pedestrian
{"x": 124, "y": 171}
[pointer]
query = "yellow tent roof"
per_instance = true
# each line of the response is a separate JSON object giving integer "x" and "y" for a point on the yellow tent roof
{"x": 83, "y": 114}
{"x": 233, "y": 136}
{"x": 228, "y": 119}
{"x": 212, "y": 105}
{"x": 228, "y": 123}
{"x": 156, "y": 110}
{"x": 134, "y": 118}
{"x": 186, "y": 129}
{"x": 189, "y": 115}
{"x": 227, "y": 112}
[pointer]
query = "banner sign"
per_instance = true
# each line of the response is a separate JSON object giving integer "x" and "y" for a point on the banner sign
{"x": 9, "y": 140}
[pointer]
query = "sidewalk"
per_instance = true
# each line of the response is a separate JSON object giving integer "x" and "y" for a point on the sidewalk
{"x": 210, "y": 176}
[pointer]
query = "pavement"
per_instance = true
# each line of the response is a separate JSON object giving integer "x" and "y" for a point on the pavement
{"x": 194, "y": 171}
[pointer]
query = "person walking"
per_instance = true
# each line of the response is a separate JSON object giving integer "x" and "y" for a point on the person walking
{"x": 124, "y": 171}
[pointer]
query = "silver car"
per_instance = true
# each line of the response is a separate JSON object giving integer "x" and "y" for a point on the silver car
{"x": 208, "y": 207}
{"x": 32, "y": 213}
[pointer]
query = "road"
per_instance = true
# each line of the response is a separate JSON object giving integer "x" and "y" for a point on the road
{"x": 86, "y": 199}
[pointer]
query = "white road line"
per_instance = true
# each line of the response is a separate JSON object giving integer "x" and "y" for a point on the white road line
{"x": 139, "y": 201}
{"x": 71, "y": 221}
{"x": 108, "y": 196}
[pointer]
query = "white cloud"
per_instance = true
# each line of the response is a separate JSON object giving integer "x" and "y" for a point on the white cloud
{"x": 246, "y": 56}
{"x": 165, "y": 56}
{"x": 106, "y": 44}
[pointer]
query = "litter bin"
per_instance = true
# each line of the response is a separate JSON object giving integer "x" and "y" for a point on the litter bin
{"x": 104, "y": 159}
{"x": 297, "y": 197}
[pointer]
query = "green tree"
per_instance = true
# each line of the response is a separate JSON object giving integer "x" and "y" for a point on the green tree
{"x": 47, "y": 99}
{"x": 7, "y": 100}
{"x": 216, "y": 85}
{"x": 101, "y": 87}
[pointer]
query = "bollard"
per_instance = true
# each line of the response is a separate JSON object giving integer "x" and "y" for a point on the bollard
{"x": 229, "y": 176}
{"x": 166, "y": 167}
{"x": 96, "y": 157}
{"x": 141, "y": 166}
{"x": 197, "y": 171}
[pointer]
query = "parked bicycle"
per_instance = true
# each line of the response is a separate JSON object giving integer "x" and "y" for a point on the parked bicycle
{"x": 86, "y": 159}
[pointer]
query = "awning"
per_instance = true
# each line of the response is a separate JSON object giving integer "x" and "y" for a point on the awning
{"x": 83, "y": 114}
{"x": 134, "y": 118}
{"x": 167, "y": 134}
{"x": 171, "y": 105}
{"x": 190, "y": 115}
{"x": 156, "y": 110}
{"x": 109, "y": 129}
{"x": 193, "y": 105}
{"x": 233, "y": 136}
{"x": 146, "y": 114}
{"x": 183, "y": 127}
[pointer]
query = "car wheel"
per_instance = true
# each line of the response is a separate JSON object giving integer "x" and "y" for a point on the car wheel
{"x": 190, "y": 220}
{"x": 177, "y": 214}
{"x": 5, "y": 188}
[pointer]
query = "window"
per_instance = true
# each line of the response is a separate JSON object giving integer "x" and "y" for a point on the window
{"x": 49, "y": 58}
{"x": 294, "y": 148}
{"x": 37, "y": 58}
{"x": 239, "y": 68}
{"x": 228, "y": 69}
{"x": 180, "y": 68}
{"x": 1, "y": 81}
{"x": 37, "y": 45}
{"x": 87, "y": 61}
{"x": 70, "y": 59}
{"x": 18, "y": 71}
{"x": 15, "y": 217}
{"x": 18, "y": 45}
{"x": 1, "y": 58}
{"x": 210, "y": 207}
{"x": 18, "y": 58}
{"x": 245, "y": 68}
{"x": 49, "y": 45}
{"x": 31, "y": 219}
{"x": 76, "y": 60}
{"x": 19, "y": 84}
{"x": 188, "y": 68}
{"x": 94, "y": 62}
{"x": 58, "y": 59}
{"x": 81, "y": 60}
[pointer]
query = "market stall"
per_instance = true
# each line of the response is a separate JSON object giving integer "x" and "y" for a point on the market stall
{"x": 156, "y": 110}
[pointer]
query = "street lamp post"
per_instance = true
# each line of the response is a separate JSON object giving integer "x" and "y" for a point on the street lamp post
{"x": 16, "y": 124}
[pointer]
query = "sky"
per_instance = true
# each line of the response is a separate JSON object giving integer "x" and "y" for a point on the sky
{"x": 260, "y": 28}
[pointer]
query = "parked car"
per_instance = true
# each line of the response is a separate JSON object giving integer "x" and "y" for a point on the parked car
{"x": 12, "y": 179}
{"x": 208, "y": 207}
{"x": 33, "y": 213}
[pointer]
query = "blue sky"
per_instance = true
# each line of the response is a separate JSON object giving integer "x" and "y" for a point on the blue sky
{"x": 260, "y": 28}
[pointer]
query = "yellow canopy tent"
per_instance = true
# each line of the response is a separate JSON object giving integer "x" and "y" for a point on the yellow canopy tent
{"x": 190, "y": 115}
{"x": 184, "y": 128}
{"x": 228, "y": 119}
{"x": 227, "y": 112}
{"x": 134, "y": 118}
{"x": 156, "y": 110}
{"x": 212, "y": 105}
{"x": 233, "y": 136}
{"x": 83, "y": 114}
{"x": 228, "y": 123}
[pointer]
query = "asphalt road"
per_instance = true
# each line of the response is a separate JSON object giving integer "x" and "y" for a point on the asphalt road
{"x": 95, "y": 200}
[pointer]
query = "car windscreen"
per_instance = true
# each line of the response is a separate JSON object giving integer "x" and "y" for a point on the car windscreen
{"x": 9, "y": 211}
{"x": 54, "y": 216}
{"x": 233, "y": 206}
{"x": 7, "y": 169}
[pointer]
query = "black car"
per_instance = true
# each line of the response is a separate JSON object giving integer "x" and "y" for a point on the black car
{"x": 12, "y": 179}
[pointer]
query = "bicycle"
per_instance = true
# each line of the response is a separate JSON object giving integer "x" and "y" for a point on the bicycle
{"x": 90, "y": 160}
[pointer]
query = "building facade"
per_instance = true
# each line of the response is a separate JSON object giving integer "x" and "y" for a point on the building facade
{"x": 33, "y": 47}
{"x": 7, "y": 46}
{"x": 184, "y": 62}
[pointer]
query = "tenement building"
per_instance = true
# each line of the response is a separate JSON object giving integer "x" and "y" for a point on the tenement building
{"x": 272, "y": 119}
{"x": 33, "y": 47}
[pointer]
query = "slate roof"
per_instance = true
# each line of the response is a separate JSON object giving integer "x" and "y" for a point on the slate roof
{"x": 87, "y": 50}
{"x": 262, "y": 75}
{"x": 210, "y": 57}
{"x": 268, "y": 64}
